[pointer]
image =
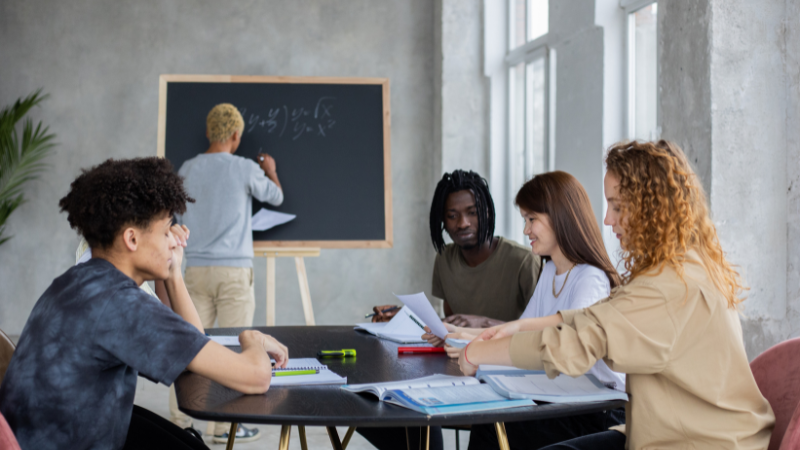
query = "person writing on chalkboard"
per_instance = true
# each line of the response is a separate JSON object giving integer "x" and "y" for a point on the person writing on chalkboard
{"x": 483, "y": 280}
{"x": 72, "y": 379}
{"x": 219, "y": 257}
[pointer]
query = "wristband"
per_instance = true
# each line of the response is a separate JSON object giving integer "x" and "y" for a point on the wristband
{"x": 465, "y": 354}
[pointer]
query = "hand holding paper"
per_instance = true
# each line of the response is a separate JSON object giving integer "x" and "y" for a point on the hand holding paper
{"x": 419, "y": 305}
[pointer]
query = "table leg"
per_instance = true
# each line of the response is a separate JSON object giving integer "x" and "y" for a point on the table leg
{"x": 302, "y": 431}
{"x": 286, "y": 431}
{"x": 502, "y": 438}
{"x": 347, "y": 437}
{"x": 305, "y": 293}
{"x": 334, "y": 435}
{"x": 231, "y": 436}
{"x": 424, "y": 439}
{"x": 270, "y": 291}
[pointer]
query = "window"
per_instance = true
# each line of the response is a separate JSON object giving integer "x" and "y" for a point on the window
{"x": 642, "y": 72}
{"x": 528, "y": 63}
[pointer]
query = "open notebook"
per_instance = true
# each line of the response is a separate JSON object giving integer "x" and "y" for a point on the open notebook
{"x": 439, "y": 394}
{"x": 324, "y": 376}
{"x": 511, "y": 382}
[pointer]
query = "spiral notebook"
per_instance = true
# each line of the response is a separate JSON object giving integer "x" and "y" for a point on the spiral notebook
{"x": 324, "y": 376}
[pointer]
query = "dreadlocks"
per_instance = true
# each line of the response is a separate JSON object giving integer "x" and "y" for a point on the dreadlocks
{"x": 460, "y": 180}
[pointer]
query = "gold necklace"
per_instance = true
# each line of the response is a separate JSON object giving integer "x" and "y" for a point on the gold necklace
{"x": 562, "y": 286}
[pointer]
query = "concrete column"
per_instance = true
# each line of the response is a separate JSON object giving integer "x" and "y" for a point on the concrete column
{"x": 728, "y": 76}
{"x": 461, "y": 100}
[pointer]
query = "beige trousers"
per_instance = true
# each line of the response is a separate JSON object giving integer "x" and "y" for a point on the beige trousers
{"x": 220, "y": 294}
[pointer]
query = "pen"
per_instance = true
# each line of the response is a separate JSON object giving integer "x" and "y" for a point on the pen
{"x": 288, "y": 373}
{"x": 367, "y": 316}
{"x": 401, "y": 350}
{"x": 342, "y": 352}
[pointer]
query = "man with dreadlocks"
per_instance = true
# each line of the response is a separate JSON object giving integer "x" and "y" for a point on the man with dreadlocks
{"x": 484, "y": 280}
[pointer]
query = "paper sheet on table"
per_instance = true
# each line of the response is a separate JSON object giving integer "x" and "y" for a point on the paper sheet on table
{"x": 228, "y": 341}
{"x": 419, "y": 305}
{"x": 266, "y": 219}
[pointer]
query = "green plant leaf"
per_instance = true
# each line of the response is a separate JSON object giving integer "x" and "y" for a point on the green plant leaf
{"x": 21, "y": 157}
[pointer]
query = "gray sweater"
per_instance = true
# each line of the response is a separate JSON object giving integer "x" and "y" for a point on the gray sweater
{"x": 219, "y": 223}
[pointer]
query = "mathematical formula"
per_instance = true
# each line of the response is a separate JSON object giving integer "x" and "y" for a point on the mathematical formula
{"x": 293, "y": 122}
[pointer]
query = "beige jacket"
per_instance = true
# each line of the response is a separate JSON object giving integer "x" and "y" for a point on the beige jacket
{"x": 688, "y": 377}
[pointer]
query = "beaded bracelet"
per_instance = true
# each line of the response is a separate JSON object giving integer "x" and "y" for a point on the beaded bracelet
{"x": 465, "y": 354}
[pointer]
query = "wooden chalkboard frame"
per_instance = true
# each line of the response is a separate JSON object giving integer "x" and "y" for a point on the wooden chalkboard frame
{"x": 387, "y": 242}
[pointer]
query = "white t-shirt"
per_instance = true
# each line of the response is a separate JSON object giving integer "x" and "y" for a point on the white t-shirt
{"x": 585, "y": 286}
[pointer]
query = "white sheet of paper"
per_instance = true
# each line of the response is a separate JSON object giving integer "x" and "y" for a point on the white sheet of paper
{"x": 419, "y": 305}
{"x": 266, "y": 219}
{"x": 228, "y": 341}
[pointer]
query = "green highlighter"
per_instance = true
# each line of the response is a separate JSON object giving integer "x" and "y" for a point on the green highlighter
{"x": 288, "y": 373}
{"x": 340, "y": 353}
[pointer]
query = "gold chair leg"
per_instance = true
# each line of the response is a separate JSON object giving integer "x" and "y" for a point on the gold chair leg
{"x": 286, "y": 431}
{"x": 427, "y": 439}
{"x": 302, "y": 431}
{"x": 231, "y": 436}
{"x": 347, "y": 437}
{"x": 502, "y": 438}
{"x": 408, "y": 441}
{"x": 334, "y": 435}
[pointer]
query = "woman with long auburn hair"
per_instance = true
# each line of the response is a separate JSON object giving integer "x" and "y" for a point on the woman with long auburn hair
{"x": 672, "y": 326}
{"x": 561, "y": 225}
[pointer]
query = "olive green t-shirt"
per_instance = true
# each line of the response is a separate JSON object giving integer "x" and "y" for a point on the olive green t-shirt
{"x": 499, "y": 287}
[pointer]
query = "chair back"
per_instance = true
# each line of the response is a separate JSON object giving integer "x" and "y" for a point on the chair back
{"x": 6, "y": 351}
{"x": 791, "y": 439}
{"x": 777, "y": 373}
{"x": 7, "y": 439}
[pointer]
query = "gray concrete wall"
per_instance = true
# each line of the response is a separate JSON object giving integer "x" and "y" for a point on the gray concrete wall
{"x": 684, "y": 79}
{"x": 100, "y": 61}
{"x": 729, "y": 79}
{"x": 579, "y": 94}
{"x": 461, "y": 109}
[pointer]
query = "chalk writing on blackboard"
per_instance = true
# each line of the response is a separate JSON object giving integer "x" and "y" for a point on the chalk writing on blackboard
{"x": 293, "y": 121}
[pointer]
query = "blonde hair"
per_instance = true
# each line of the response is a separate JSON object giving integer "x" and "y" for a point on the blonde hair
{"x": 222, "y": 121}
{"x": 666, "y": 214}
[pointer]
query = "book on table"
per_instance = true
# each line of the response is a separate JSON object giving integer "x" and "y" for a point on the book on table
{"x": 404, "y": 328}
{"x": 323, "y": 375}
{"x": 439, "y": 394}
{"x": 512, "y": 382}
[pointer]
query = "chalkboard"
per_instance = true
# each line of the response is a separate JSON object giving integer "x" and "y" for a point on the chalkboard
{"x": 330, "y": 138}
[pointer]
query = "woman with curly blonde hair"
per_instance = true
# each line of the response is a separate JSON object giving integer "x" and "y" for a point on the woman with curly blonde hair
{"x": 672, "y": 326}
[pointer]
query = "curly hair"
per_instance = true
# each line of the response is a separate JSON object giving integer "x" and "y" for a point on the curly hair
{"x": 116, "y": 194}
{"x": 461, "y": 180}
{"x": 666, "y": 214}
{"x": 222, "y": 121}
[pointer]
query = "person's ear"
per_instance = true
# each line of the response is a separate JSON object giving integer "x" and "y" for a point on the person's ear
{"x": 130, "y": 238}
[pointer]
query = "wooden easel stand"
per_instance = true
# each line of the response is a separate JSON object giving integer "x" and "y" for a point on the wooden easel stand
{"x": 302, "y": 277}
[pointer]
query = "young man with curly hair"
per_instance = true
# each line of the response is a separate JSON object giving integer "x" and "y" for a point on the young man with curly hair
{"x": 72, "y": 379}
{"x": 219, "y": 258}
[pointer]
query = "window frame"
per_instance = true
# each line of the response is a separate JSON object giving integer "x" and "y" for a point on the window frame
{"x": 527, "y": 53}
{"x": 631, "y": 7}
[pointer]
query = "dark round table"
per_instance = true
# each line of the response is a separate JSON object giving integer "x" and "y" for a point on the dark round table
{"x": 377, "y": 361}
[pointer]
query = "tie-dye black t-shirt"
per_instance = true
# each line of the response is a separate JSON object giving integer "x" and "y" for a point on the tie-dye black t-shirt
{"x": 72, "y": 378}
